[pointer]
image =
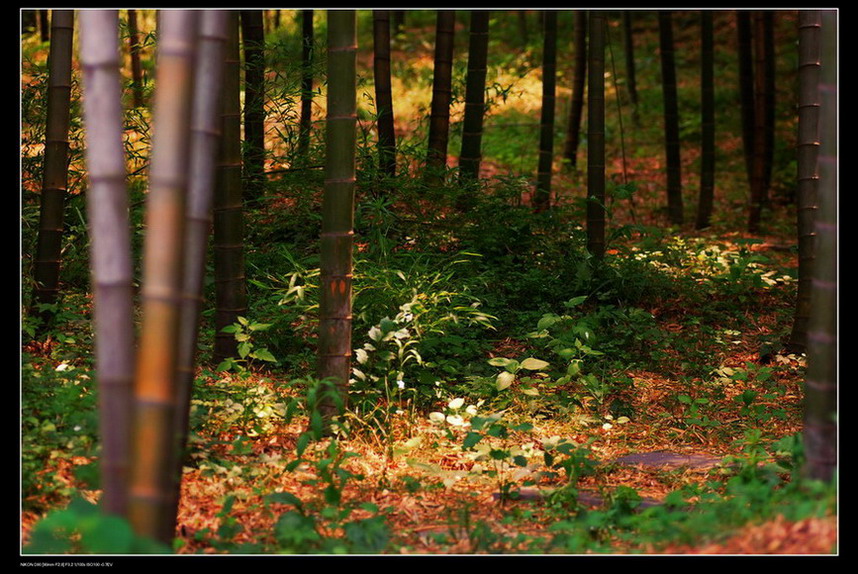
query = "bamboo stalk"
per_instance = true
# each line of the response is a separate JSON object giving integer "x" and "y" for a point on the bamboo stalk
{"x": 205, "y": 141}
{"x": 671, "y": 119}
{"x": 156, "y": 375}
{"x": 544, "y": 172}
{"x": 46, "y": 263}
{"x": 383, "y": 93}
{"x": 306, "y": 119}
{"x": 596, "y": 136}
{"x": 808, "y": 175}
{"x": 475, "y": 95}
{"x": 707, "y": 123}
{"x": 579, "y": 80}
{"x": 821, "y": 384}
{"x": 439, "y": 118}
{"x": 228, "y": 209}
{"x": 335, "y": 306}
{"x": 110, "y": 249}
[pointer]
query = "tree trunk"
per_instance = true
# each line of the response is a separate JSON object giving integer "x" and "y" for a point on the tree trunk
{"x": 110, "y": 249}
{"x": 152, "y": 476}
{"x": 383, "y": 93}
{"x": 475, "y": 97}
{"x": 306, "y": 120}
{"x": 206, "y": 123}
{"x": 542, "y": 196}
{"x": 707, "y": 122}
{"x": 596, "y": 136}
{"x": 759, "y": 150}
{"x": 629, "y": 45}
{"x": 253, "y": 39}
{"x": 820, "y": 424}
{"x": 671, "y": 119}
{"x": 228, "y": 210}
{"x": 134, "y": 53}
{"x": 335, "y": 305}
{"x": 579, "y": 79}
{"x": 808, "y": 174}
{"x": 442, "y": 81}
{"x": 46, "y": 264}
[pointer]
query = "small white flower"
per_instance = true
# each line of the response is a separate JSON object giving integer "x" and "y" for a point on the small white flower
{"x": 400, "y": 383}
{"x": 456, "y": 421}
{"x": 471, "y": 410}
{"x": 607, "y": 426}
{"x": 436, "y": 417}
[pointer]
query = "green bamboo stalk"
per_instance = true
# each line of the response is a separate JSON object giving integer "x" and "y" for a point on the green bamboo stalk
{"x": 809, "y": 22}
{"x": 707, "y": 122}
{"x": 206, "y": 125}
{"x": 671, "y": 119}
{"x": 110, "y": 249}
{"x": 821, "y": 384}
{"x": 383, "y": 93}
{"x": 228, "y": 209}
{"x": 156, "y": 375}
{"x": 306, "y": 119}
{"x": 253, "y": 39}
{"x": 337, "y": 237}
{"x": 596, "y": 136}
{"x": 442, "y": 81}
{"x": 545, "y": 164}
{"x": 46, "y": 263}
{"x": 579, "y": 80}
{"x": 475, "y": 96}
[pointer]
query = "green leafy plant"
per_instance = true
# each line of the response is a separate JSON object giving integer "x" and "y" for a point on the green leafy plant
{"x": 244, "y": 331}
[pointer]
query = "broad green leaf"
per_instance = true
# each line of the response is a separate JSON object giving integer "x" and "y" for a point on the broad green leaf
{"x": 532, "y": 364}
{"x": 505, "y": 379}
{"x": 500, "y": 361}
{"x": 264, "y": 355}
{"x": 471, "y": 439}
{"x": 530, "y": 391}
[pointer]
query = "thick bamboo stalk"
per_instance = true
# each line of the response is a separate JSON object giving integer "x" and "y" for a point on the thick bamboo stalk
{"x": 579, "y": 80}
{"x": 206, "y": 125}
{"x": 759, "y": 191}
{"x": 746, "y": 89}
{"x": 820, "y": 425}
{"x": 335, "y": 306}
{"x": 545, "y": 164}
{"x": 46, "y": 263}
{"x": 110, "y": 249}
{"x": 152, "y": 476}
{"x": 707, "y": 122}
{"x": 671, "y": 119}
{"x": 442, "y": 81}
{"x": 306, "y": 119}
{"x": 228, "y": 209}
{"x": 475, "y": 96}
{"x": 383, "y": 93}
{"x": 596, "y": 136}
{"x": 807, "y": 152}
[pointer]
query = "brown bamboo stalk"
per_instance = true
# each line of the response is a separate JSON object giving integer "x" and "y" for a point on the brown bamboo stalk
{"x": 46, "y": 263}
{"x": 205, "y": 141}
{"x": 821, "y": 384}
{"x": 335, "y": 306}
{"x": 228, "y": 208}
{"x": 671, "y": 119}
{"x": 579, "y": 80}
{"x": 808, "y": 175}
{"x": 154, "y": 434}
{"x": 134, "y": 48}
{"x": 442, "y": 80}
{"x": 475, "y": 95}
{"x": 596, "y": 135}
{"x": 253, "y": 39}
{"x": 545, "y": 171}
{"x": 110, "y": 249}
{"x": 306, "y": 119}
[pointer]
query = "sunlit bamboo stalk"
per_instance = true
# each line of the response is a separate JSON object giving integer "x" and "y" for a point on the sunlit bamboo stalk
{"x": 206, "y": 125}
{"x": 110, "y": 249}
{"x": 152, "y": 476}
